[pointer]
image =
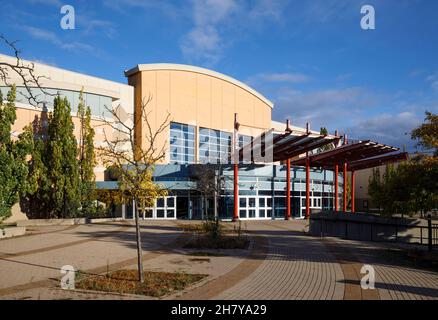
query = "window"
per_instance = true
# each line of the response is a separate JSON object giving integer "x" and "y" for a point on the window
{"x": 244, "y": 141}
{"x": 214, "y": 146}
{"x": 182, "y": 143}
{"x": 46, "y": 96}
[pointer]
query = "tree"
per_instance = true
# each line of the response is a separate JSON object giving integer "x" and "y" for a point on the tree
{"x": 208, "y": 183}
{"x": 133, "y": 163}
{"x": 53, "y": 166}
{"x": 61, "y": 158}
{"x": 412, "y": 186}
{"x": 427, "y": 133}
{"x": 35, "y": 201}
{"x": 87, "y": 158}
{"x": 326, "y": 147}
{"x": 13, "y": 155}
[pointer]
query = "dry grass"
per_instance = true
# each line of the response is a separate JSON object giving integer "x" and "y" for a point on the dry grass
{"x": 156, "y": 284}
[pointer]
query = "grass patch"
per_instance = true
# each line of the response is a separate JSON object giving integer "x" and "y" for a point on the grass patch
{"x": 221, "y": 242}
{"x": 156, "y": 284}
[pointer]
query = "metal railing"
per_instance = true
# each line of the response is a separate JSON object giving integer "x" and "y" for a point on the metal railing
{"x": 402, "y": 233}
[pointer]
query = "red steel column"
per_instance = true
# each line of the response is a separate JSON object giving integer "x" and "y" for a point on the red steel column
{"x": 345, "y": 187}
{"x": 307, "y": 187}
{"x": 236, "y": 168}
{"x": 352, "y": 191}
{"x": 336, "y": 188}
{"x": 287, "y": 215}
{"x": 236, "y": 192}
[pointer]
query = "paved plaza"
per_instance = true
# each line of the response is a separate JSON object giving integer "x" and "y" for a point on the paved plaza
{"x": 282, "y": 262}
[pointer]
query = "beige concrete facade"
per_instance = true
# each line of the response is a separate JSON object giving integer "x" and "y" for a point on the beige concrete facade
{"x": 199, "y": 97}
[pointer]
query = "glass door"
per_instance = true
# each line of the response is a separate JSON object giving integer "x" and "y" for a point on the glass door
{"x": 254, "y": 207}
{"x": 165, "y": 208}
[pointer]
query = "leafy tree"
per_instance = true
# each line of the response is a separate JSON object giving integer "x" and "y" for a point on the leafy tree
{"x": 412, "y": 186}
{"x": 53, "y": 181}
{"x": 13, "y": 155}
{"x": 427, "y": 133}
{"x": 87, "y": 158}
{"x": 36, "y": 200}
{"x": 61, "y": 160}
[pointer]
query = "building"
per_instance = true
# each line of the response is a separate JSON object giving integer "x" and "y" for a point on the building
{"x": 202, "y": 104}
{"x": 213, "y": 119}
{"x": 98, "y": 94}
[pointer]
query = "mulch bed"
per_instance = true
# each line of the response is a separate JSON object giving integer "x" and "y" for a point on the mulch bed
{"x": 156, "y": 284}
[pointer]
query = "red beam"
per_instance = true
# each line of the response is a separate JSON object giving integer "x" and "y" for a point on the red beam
{"x": 287, "y": 217}
{"x": 345, "y": 188}
{"x": 352, "y": 190}
{"x": 307, "y": 187}
{"x": 375, "y": 162}
{"x": 236, "y": 192}
{"x": 336, "y": 188}
{"x": 303, "y": 147}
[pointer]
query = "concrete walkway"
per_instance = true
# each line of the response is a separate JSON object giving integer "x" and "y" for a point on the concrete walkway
{"x": 282, "y": 263}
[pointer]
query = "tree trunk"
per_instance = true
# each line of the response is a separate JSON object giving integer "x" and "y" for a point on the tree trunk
{"x": 139, "y": 248}
{"x": 215, "y": 197}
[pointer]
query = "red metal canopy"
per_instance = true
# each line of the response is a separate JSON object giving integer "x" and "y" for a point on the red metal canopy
{"x": 377, "y": 161}
{"x": 288, "y": 144}
{"x": 348, "y": 153}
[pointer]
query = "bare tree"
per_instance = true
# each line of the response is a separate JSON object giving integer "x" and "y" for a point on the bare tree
{"x": 24, "y": 71}
{"x": 133, "y": 162}
{"x": 209, "y": 183}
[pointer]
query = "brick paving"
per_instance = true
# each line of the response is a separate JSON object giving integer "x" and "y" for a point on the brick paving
{"x": 282, "y": 263}
{"x": 396, "y": 278}
{"x": 296, "y": 267}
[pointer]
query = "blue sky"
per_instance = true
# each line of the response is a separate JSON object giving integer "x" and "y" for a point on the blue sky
{"x": 310, "y": 57}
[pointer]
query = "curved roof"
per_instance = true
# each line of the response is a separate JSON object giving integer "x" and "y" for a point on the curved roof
{"x": 183, "y": 67}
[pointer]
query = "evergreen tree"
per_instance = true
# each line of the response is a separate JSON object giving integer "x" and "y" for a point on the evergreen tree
{"x": 35, "y": 200}
{"x": 13, "y": 155}
{"x": 87, "y": 158}
{"x": 61, "y": 162}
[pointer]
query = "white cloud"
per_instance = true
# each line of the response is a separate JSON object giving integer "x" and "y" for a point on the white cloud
{"x": 218, "y": 23}
{"x": 204, "y": 41}
{"x": 51, "y": 37}
{"x": 321, "y": 107}
{"x": 392, "y": 129}
{"x": 433, "y": 80}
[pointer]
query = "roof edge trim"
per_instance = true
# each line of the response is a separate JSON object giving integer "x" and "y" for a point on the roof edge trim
{"x": 189, "y": 68}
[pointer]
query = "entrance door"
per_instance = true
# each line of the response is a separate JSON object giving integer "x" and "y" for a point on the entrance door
{"x": 255, "y": 207}
{"x": 165, "y": 208}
